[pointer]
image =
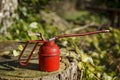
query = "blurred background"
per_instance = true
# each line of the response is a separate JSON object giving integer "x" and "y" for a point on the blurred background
{"x": 100, "y": 53}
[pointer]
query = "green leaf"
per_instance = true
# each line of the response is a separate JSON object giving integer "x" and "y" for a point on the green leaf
{"x": 15, "y": 53}
{"x": 106, "y": 77}
{"x": 20, "y": 48}
{"x": 33, "y": 25}
{"x": 73, "y": 55}
{"x": 86, "y": 58}
{"x": 81, "y": 65}
{"x": 79, "y": 52}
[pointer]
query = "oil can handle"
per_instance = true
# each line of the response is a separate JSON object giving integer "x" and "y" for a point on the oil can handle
{"x": 24, "y": 63}
{"x": 29, "y": 57}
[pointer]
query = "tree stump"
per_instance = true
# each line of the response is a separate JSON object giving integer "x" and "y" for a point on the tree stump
{"x": 12, "y": 70}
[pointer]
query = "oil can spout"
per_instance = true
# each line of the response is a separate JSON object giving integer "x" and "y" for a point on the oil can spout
{"x": 82, "y": 34}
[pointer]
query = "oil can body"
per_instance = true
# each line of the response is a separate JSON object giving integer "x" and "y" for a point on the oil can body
{"x": 49, "y": 57}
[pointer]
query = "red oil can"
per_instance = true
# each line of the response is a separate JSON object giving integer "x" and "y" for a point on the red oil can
{"x": 49, "y": 52}
{"x": 49, "y": 56}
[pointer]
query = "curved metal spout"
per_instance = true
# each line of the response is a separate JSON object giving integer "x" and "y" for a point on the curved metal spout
{"x": 82, "y": 34}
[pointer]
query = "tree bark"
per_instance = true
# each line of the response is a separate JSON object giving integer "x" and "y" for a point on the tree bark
{"x": 7, "y": 9}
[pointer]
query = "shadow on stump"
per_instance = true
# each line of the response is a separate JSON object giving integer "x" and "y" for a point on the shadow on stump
{"x": 11, "y": 65}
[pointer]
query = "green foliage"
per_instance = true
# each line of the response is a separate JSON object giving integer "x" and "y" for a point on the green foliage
{"x": 22, "y": 31}
{"x": 28, "y": 21}
{"x": 97, "y": 55}
{"x": 108, "y": 3}
{"x": 85, "y": 17}
{"x": 33, "y": 6}
{"x": 101, "y": 58}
